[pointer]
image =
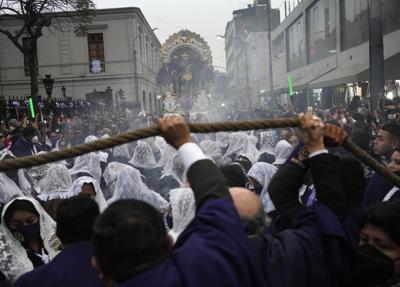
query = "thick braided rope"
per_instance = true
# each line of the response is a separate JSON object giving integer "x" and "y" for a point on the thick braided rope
{"x": 31, "y": 161}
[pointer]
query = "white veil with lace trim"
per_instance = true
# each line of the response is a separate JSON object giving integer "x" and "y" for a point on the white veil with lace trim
{"x": 47, "y": 232}
{"x": 99, "y": 198}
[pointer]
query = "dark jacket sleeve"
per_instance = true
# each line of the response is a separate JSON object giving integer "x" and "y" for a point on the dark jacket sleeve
{"x": 207, "y": 182}
{"x": 284, "y": 191}
{"x": 328, "y": 184}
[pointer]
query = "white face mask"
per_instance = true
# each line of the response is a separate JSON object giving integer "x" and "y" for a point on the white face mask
{"x": 35, "y": 139}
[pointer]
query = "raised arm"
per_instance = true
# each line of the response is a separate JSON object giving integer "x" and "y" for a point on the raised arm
{"x": 204, "y": 177}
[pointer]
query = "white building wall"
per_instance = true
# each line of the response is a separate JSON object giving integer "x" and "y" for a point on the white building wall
{"x": 65, "y": 56}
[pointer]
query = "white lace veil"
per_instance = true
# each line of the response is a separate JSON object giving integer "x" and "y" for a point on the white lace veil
{"x": 143, "y": 156}
{"x": 213, "y": 150}
{"x": 263, "y": 173}
{"x": 103, "y": 155}
{"x": 23, "y": 183}
{"x": 47, "y": 232}
{"x": 240, "y": 144}
{"x": 89, "y": 164}
{"x": 121, "y": 151}
{"x": 283, "y": 150}
{"x": 183, "y": 207}
{"x": 99, "y": 198}
{"x": 222, "y": 138}
{"x": 174, "y": 167}
{"x": 267, "y": 142}
{"x": 57, "y": 183}
{"x": 8, "y": 189}
{"x": 129, "y": 185}
{"x": 8, "y": 264}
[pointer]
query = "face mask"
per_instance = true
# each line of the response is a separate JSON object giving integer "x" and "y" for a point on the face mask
{"x": 35, "y": 139}
{"x": 372, "y": 266}
{"x": 26, "y": 233}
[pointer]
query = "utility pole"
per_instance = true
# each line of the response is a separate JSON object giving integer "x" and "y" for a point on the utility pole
{"x": 271, "y": 76}
{"x": 376, "y": 56}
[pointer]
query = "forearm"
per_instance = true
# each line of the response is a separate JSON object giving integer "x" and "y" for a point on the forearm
{"x": 205, "y": 179}
{"x": 284, "y": 190}
{"x": 328, "y": 184}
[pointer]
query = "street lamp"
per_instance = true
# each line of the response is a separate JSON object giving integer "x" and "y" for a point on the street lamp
{"x": 246, "y": 63}
{"x": 48, "y": 85}
{"x": 64, "y": 91}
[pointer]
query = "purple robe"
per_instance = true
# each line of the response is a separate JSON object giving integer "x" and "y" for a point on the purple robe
{"x": 377, "y": 189}
{"x": 311, "y": 253}
{"x": 71, "y": 268}
{"x": 212, "y": 251}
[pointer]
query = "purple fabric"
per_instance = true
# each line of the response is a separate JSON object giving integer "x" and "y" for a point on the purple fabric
{"x": 212, "y": 251}
{"x": 72, "y": 267}
{"x": 21, "y": 148}
{"x": 377, "y": 189}
{"x": 298, "y": 256}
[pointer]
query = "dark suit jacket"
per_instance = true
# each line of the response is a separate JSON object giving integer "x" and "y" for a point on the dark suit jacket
{"x": 70, "y": 268}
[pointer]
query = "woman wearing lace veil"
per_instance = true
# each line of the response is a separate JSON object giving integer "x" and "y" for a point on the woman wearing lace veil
{"x": 260, "y": 175}
{"x": 110, "y": 177}
{"x": 129, "y": 185}
{"x": 240, "y": 144}
{"x": 87, "y": 165}
{"x": 212, "y": 150}
{"x": 88, "y": 186}
{"x": 183, "y": 209}
{"x": 143, "y": 159}
{"x": 56, "y": 184}
{"x": 30, "y": 234}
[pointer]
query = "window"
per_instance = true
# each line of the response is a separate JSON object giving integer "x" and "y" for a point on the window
{"x": 144, "y": 105}
{"x": 150, "y": 103}
{"x": 296, "y": 45}
{"x": 27, "y": 46}
{"x": 391, "y": 17}
{"x": 321, "y": 30}
{"x": 354, "y": 23}
{"x": 96, "y": 53}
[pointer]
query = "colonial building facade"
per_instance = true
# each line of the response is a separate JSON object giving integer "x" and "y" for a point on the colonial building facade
{"x": 120, "y": 51}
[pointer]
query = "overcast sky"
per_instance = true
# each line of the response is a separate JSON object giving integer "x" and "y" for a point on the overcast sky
{"x": 205, "y": 17}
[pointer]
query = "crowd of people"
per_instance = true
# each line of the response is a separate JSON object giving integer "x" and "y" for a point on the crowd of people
{"x": 283, "y": 207}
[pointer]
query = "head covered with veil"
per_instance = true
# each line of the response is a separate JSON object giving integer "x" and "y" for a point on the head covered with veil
{"x": 77, "y": 189}
{"x": 57, "y": 183}
{"x": 143, "y": 156}
{"x": 47, "y": 233}
{"x": 183, "y": 208}
{"x": 87, "y": 165}
{"x": 129, "y": 185}
{"x": 241, "y": 144}
{"x": 263, "y": 173}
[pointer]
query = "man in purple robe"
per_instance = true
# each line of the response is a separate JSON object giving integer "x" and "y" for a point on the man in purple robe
{"x": 132, "y": 247}
{"x": 386, "y": 142}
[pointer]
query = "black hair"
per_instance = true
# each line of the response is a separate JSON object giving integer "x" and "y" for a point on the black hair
{"x": 234, "y": 175}
{"x": 75, "y": 218}
{"x": 244, "y": 162}
{"x": 266, "y": 157}
{"x": 392, "y": 128}
{"x": 386, "y": 216}
{"x": 129, "y": 237}
{"x": 19, "y": 205}
{"x": 28, "y": 132}
{"x": 353, "y": 180}
{"x": 257, "y": 224}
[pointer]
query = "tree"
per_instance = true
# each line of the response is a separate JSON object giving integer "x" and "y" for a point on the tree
{"x": 36, "y": 15}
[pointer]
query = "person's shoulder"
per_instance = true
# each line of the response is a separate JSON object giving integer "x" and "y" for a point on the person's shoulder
{"x": 39, "y": 276}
